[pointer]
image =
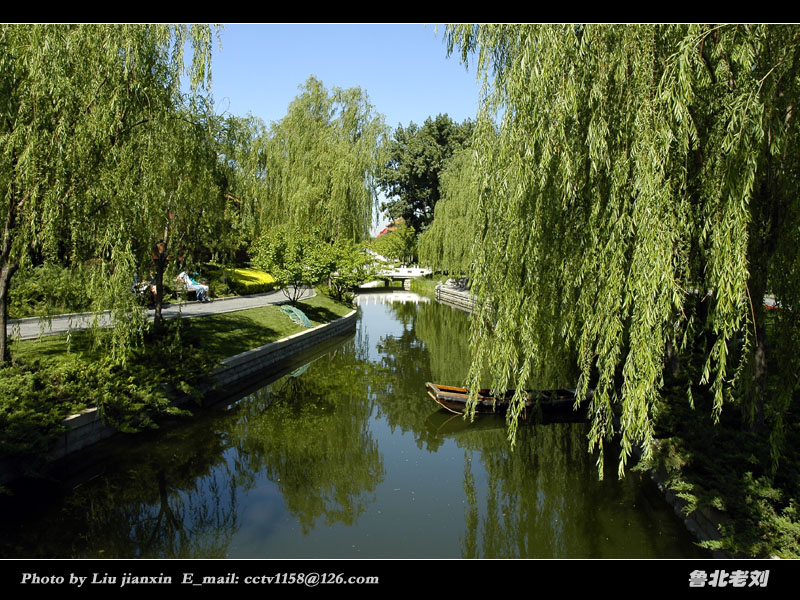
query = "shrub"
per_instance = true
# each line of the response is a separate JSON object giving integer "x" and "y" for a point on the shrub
{"x": 249, "y": 281}
{"x": 49, "y": 289}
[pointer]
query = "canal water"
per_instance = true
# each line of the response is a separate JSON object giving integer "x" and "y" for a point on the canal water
{"x": 348, "y": 457}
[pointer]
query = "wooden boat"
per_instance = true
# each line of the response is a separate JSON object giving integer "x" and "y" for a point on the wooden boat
{"x": 455, "y": 400}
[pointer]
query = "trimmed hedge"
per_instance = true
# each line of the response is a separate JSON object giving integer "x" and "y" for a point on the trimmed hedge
{"x": 249, "y": 281}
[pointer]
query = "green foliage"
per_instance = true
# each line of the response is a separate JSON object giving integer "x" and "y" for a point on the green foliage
{"x": 400, "y": 244}
{"x": 315, "y": 167}
{"x": 48, "y": 380}
{"x": 426, "y": 286}
{"x": 249, "y": 281}
{"x": 417, "y": 155}
{"x": 88, "y": 118}
{"x": 634, "y": 166}
{"x": 171, "y": 205}
{"x": 294, "y": 258}
{"x": 41, "y": 388}
{"x": 447, "y": 245}
{"x": 352, "y": 266}
{"x": 50, "y": 289}
{"x": 720, "y": 467}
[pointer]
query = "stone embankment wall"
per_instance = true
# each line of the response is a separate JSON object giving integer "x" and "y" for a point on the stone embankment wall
{"x": 247, "y": 365}
{"x": 87, "y": 427}
{"x": 703, "y": 522}
{"x": 457, "y": 297}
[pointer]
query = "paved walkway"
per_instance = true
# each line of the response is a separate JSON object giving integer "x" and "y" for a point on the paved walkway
{"x": 34, "y": 327}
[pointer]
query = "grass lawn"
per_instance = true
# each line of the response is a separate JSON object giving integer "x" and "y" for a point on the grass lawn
{"x": 49, "y": 380}
{"x": 223, "y": 335}
{"x": 233, "y": 333}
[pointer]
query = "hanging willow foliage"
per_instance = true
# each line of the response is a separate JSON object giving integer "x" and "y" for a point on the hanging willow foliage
{"x": 320, "y": 161}
{"x": 447, "y": 244}
{"x": 72, "y": 99}
{"x": 639, "y": 202}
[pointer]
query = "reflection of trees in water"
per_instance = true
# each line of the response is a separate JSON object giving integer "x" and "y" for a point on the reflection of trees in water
{"x": 175, "y": 495}
{"x": 196, "y": 521}
{"x": 179, "y": 502}
{"x": 445, "y": 333}
{"x": 432, "y": 347}
{"x": 543, "y": 500}
{"x": 174, "y": 500}
{"x": 178, "y": 493}
{"x": 442, "y": 335}
{"x": 313, "y": 441}
{"x": 530, "y": 493}
{"x": 471, "y": 517}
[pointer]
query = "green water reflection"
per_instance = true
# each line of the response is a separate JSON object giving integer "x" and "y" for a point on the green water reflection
{"x": 347, "y": 457}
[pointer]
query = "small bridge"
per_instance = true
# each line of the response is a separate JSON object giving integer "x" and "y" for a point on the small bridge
{"x": 404, "y": 274}
{"x": 381, "y": 296}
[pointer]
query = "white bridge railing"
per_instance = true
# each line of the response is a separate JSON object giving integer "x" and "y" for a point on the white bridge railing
{"x": 404, "y": 272}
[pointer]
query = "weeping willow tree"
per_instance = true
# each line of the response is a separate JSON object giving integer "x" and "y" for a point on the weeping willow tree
{"x": 639, "y": 203}
{"x": 319, "y": 164}
{"x": 243, "y": 156}
{"x": 71, "y": 99}
{"x": 447, "y": 244}
{"x": 168, "y": 208}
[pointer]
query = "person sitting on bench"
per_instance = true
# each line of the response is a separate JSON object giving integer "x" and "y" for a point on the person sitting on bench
{"x": 200, "y": 290}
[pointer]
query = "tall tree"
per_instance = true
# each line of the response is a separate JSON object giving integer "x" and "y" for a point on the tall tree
{"x": 400, "y": 244}
{"x": 447, "y": 244}
{"x": 294, "y": 258}
{"x": 243, "y": 156}
{"x": 640, "y": 201}
{"x": 167, "y": 184}
{"x": 70, "y": 96}
{"x": 319, "y": 163}
{"x": 410, "y": 178}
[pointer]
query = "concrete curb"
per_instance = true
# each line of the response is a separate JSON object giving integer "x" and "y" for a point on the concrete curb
{"x": 236, "y": 369}
{"x": 87, "y": 427}
{"x": 703, "y": 522}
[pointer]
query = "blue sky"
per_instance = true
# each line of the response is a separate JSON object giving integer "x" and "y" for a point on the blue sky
{"x": 403, "y": 68}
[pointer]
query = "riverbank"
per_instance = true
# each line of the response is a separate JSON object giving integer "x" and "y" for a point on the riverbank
{"x": 345, "y": 458}
{"x": 57, "y": 376}
{"x": 731, "y": 507}
{"x": 444, "y": 292}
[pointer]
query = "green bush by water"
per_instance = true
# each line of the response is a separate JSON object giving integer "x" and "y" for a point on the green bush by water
{"x": 49, "y": 379}
{"x": 726, "y": 467}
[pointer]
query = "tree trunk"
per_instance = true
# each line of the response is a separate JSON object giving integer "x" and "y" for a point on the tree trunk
{"x": 767, "y": 208}
{"x": 761, "y": 252}
{"x": 760, "y": 374}
{"x": 160, "y": 260}
{"x": 6, "y": 271}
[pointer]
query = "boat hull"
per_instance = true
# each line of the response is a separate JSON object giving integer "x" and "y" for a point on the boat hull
{"x": 455, "y": 400}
